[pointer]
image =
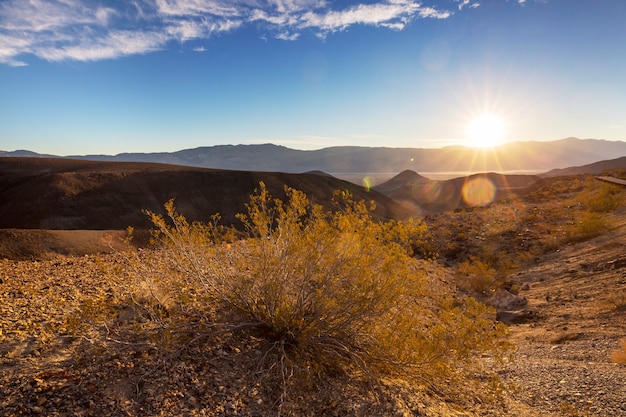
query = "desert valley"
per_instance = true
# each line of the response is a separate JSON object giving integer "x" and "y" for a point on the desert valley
{"x": 311, "y": 208}
{"x": 85, "y": 332}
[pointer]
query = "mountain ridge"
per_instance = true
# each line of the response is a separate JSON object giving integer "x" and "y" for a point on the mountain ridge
{"x": 527, "y": 156}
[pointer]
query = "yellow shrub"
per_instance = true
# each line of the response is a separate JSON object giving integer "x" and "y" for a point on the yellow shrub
{"x": 477, "y": 275}
{"x": 332, "y": 293}
{"x": 587, "y": 226}
{"x": 604, "y": 198}
{"x": 619, "y": 356}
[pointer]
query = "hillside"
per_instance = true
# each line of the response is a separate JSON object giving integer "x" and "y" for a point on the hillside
{"x": 570, "y": 288}
{"x": 42, "y": 193}
{"x": 595, "y": 168}
{"x": 430, "y": 196}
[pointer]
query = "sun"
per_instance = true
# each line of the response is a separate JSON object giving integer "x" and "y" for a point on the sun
{"x": 485, "y": 131}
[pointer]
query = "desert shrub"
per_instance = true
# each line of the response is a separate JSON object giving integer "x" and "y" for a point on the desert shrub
{"x": 619, "y": 355}
{"x": 587, "y": 226}
{"x": 603, "y": 199}
{"x": 478, "y": 276}
{"x": 331, "y": 293}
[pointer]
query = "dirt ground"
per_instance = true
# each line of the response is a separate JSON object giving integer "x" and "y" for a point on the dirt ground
{"x": 562, "y": 364}
{"x": 578, "y": 299}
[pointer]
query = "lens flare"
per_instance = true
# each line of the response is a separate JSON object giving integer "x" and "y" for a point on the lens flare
{"x": 368, "y": 183}
{"x": 479, "y": 191}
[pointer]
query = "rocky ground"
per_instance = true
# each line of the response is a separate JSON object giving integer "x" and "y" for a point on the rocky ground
{"x": 578, "y": 299}
{"x": 51, "y": 365}
{"x": 577, "y": 313}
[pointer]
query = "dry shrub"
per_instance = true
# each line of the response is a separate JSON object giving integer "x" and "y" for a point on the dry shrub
{"x": 587, "y": 226}
{"x": 478, "y": 276}
{"x": 603, "y": 199}
{"x": 619, "y": 355}
{"x": 333, "y": 294}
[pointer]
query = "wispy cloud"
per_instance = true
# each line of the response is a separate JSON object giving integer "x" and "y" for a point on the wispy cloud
{"x": 472, "y": 4}
{"x": 57, "y": 30}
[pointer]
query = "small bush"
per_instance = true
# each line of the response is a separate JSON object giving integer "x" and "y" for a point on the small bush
{"x": 619, "y": 355}
{"x": 331, "y": 293}
{"x": 478, "y": 276}
{"x": 587, "y": 226}
{"x": 603, "y": 199}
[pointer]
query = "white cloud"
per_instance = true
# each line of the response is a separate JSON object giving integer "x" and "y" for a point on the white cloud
{"x": 184, "y": 30}
{"x": 468, "y": 3}
{"x": 197, "y": 7}
{"x": 371, "y": 14}
{"x": 288, "y": 36}
{"x": 115, "y": 44}
{"x": 57, "y": 30}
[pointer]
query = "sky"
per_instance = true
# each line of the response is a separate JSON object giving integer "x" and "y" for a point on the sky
{"x": 84, "y": 77}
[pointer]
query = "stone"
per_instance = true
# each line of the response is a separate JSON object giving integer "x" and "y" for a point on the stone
{"x": 504, "y": 300}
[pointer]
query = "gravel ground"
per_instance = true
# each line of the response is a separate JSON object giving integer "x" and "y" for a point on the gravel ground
{"x": 562, "y": 365}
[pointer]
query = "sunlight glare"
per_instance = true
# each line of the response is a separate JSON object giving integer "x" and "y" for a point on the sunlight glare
{"x": 485, "y": 131}
{"x": 479, "y": 191}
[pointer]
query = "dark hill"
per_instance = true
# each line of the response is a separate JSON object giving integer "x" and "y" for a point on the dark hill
{"x": 430, "y": 196}
{"x": 42, "y": 193}
{"x": 401, "y": 181}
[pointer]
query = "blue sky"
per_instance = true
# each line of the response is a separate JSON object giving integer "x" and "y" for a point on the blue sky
{"x": 86, "y": 77}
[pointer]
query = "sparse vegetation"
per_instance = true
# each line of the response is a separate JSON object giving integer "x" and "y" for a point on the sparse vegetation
{"x": 332, "y": 294}
{"x": 269, "y": 320}
{"x": 595, "y": 203}
{"x": 617, "y": 173}
{"x": 478, "y": 276}
{"x": 604, "y": 198}
{"x": 619, "y": 355}
{"x": 510, "y": 234}
{"x": 587, "y": 226}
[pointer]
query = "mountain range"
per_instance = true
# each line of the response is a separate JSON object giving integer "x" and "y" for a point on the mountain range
{"x": 350, "y": 162}
{"x": 110, "y": 192}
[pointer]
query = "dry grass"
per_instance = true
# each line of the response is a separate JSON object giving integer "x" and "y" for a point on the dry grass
{"x": 619, "y": 355}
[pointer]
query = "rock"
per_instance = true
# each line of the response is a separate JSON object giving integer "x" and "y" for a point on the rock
{"x": 505, "y": 301}
{"x": 514, "y": 317}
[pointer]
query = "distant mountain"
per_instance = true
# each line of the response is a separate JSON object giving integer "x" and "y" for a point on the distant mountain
{"x": 429, "y": 196}
{"x": 61, "y": 193}
{"x": 595, "y": 169}
{"x": 512, "y": 157}
{"x": 25, "y": 154}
